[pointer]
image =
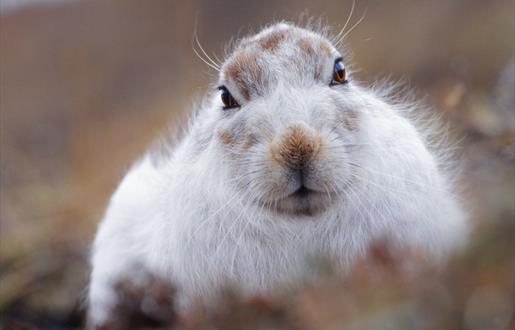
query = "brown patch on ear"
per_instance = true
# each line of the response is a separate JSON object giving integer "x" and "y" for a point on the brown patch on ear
{"x": 306, "y": 46}
{"x": 350, "y": 119}
{"x": 244, "y": 67}
{"x": 273, "y": 39}
{"x": 226, "y": 137}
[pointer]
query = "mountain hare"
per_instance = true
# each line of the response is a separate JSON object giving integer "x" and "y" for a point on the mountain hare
{"x": 288, "y": 158}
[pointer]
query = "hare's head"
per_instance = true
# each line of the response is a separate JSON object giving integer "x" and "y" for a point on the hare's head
{"x": 287, "y": 119}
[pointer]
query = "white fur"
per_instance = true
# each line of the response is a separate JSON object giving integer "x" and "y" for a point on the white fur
{"x": 204, "y": 216}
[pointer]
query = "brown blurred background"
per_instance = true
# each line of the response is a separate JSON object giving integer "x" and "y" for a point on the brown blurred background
{"x": 86, "y": 85}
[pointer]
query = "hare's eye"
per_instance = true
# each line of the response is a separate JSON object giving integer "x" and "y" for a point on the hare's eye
{"x": 227, "y": 99}
{"x": 339, "y": 74}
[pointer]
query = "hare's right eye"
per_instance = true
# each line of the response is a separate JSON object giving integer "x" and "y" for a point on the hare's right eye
{"x": 227, "y": 99}
{"x": 339, "y": 73}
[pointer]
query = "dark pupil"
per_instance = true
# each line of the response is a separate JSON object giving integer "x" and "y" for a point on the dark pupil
{"x": 227, "y": 99}
{"x": 339, "y": 72}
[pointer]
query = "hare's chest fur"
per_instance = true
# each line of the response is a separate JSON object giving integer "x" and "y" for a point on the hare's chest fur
{"x": 215, "y": 242}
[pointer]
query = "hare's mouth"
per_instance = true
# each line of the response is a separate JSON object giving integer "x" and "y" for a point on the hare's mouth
{"x": 303, "y": 192}
{"x": 302, "y": 201}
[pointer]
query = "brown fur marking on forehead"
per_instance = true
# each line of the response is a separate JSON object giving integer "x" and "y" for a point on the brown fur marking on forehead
{"x": 272, "y": 40}
{"x": 244, "y": 66}
{"x": 309, "y": 47}
{"x": 326, "y": 47}
{"x": 306, "y": 46}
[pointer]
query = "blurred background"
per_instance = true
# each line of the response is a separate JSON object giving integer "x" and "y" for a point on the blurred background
{"x": 87, "y": 85}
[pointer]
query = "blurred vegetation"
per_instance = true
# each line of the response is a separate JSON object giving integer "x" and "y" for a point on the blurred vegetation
{"x": 86, "y": 85}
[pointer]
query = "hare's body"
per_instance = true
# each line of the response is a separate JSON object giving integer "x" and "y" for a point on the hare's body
{"x": 300, "y": 167}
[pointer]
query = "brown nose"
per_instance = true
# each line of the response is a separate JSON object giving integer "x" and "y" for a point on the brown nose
{"x": 296, "y": 147}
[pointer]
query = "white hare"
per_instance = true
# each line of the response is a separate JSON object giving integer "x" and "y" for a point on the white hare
{"x": 288, "y": 158}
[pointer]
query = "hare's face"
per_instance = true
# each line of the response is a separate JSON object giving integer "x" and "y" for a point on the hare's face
{"x": 288, "y": 121}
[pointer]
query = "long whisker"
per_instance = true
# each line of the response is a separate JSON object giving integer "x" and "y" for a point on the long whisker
{"x": 205, "y": 53}
{"x": 209, "y": 61}
{"x": 206, "y": 62}
{"x": 338, "y": 36}
{"x": 403, "y": 180}
{"x": 354, "y": 26}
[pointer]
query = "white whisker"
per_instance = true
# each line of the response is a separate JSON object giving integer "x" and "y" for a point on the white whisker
{"x": 354, "y": 26}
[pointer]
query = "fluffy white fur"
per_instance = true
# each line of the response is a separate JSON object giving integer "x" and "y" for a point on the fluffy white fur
{"x": 213, "y": 213}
